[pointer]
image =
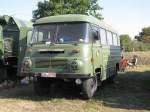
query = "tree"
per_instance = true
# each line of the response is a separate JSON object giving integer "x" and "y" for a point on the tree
{"x": 126, "y": 42}
{"x": 59, "y": 7}
{"x": 146, "y": 39}
{"x": 144, "y": 36}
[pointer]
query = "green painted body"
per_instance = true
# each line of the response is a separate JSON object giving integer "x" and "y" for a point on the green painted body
{"x": 73, "y": 60}
{"x": 60, "y": 63}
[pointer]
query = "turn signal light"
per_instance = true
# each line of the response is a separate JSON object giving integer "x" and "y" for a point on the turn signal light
{"x": 29, "y": 50}
{"x": 75, "y": 50}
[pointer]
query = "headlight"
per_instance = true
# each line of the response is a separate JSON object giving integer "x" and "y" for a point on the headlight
{"x": 26, "y": 65}
{"x": 75, "y": 64}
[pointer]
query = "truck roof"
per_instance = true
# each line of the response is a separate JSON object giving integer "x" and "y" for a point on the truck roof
{"x": 74, "y": 18}
{"x": 20, "y": 23}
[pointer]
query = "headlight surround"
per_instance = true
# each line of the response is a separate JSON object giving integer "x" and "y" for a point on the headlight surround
{"x": 75, "y": 64}
{"x": 27, "y": 63}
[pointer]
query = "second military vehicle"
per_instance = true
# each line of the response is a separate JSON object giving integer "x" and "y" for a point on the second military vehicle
{"x": 14, "y": 35}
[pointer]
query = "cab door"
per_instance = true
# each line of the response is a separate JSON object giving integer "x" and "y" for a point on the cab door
{"x": 96, "y": 49}
{"x": 105, "y": 54}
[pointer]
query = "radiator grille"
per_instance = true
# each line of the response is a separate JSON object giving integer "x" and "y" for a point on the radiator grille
{"x": 54, "y": 63}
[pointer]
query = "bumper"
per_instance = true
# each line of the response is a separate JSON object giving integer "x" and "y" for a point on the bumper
{"x": 60, "y": 75}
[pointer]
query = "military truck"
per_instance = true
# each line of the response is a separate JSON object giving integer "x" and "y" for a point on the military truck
{"x": 15, "y": 33}
{"x": 74, "y": 48}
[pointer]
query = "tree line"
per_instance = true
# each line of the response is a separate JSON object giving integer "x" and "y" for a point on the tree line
{"x": 60, "y": 7}
{"x": 141, "y": 42}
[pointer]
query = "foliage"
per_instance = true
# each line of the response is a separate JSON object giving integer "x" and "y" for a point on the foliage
{"x": 144, "y": 36}
{"x": 133, "y": 45}
{"x": 146, "y": 39}
{"x": 125, "y": 41}
{"x": 60, "y": 7}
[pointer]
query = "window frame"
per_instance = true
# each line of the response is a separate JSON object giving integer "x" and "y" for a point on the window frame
{"x": 96, "y": 28}
{"x": 108, "y": 41}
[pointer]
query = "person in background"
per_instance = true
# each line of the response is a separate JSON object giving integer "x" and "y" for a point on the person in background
{"x": 124, "y": 63}
{"x": 134, "y": 61}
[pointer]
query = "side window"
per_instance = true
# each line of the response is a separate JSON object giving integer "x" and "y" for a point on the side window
{"x": 103, "y": 36}
{"x": 95, "y": 34}
{"x": 115, "y": 39}
{"x": 109, "y": 38}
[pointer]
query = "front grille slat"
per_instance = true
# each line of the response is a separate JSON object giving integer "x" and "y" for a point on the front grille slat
{"x": 53, "y": 63}
{"x": 42, "y": 63}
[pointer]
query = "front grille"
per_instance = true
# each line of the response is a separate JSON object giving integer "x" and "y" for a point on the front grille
{"x": 60, "y": 63}
{"x": 42, "y": 63}
{"x": 53, "y": 63}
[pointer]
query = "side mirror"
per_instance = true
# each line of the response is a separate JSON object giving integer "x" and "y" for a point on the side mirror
{"x": 95, "y": 35}
{"x": 29, "y": 35}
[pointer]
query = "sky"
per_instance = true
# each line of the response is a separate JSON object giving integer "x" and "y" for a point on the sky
{"x": 126, "y": 16}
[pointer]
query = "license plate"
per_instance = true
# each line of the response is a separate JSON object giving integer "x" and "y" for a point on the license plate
{"x": 50, "y": 75}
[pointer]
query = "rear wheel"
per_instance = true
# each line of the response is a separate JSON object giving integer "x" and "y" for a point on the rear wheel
{"x": 112, "y": 78}
{"x": 89, "y": 87}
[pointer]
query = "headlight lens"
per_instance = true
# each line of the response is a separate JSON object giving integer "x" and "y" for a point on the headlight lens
{"x": 26, "y": 65}
{"x": 75, "y": 64}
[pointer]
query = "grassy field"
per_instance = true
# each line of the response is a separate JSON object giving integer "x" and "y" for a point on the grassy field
{"x": 129, "y": 93}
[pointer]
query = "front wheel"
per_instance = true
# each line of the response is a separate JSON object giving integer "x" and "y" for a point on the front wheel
{"x": 89, "y": 87}
{"x": 41, "y": 86}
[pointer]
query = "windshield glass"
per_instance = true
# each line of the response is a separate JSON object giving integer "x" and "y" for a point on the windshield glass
{"x": 61, "y": 33}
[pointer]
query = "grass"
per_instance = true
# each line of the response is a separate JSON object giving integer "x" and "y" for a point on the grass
{"x": 129, "y": 93}
{"x": 143, "y": 57}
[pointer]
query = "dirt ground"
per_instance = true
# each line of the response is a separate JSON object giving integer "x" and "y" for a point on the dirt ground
{"x": 129, "y": 93}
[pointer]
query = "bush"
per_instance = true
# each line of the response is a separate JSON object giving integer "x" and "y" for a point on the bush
{"x": 137, "y": 46}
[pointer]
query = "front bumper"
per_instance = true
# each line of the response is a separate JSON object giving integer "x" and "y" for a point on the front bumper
{"x": 60, "y": 75}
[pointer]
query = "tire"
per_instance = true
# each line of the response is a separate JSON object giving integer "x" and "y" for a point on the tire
{"x": 89, "y": 87}
{"x": 41, "y": 86}
{"x": 112, "y": 78}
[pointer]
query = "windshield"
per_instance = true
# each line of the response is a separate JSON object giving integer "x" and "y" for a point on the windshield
{"x": 61, "y": 33}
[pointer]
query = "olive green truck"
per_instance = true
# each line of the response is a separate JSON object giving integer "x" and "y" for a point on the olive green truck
{"x": 13, "y": 43}
{"x": 76, "y": 48}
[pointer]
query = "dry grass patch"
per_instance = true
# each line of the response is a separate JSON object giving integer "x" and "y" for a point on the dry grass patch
{"x": 129, "y": 93}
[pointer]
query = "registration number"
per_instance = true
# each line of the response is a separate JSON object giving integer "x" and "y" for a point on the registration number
{"x": 50, "y": 75}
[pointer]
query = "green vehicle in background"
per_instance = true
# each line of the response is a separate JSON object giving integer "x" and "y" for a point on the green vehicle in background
{"x": 75, "y": 48}
{"x": 1, "y": 45}
{"x": 15, "y": 34}
{"x": 1, "y": 54}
